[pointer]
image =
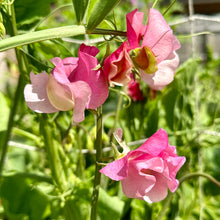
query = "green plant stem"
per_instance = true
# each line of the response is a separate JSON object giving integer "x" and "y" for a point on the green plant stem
{"x": 98, "y": 144}
{"x": 34, "y": 176}
{"x": 52, "y": 33}
{"x": 199, "y": 174}
{"x": 181, "y": 180}
{"x": 18, "y": 93}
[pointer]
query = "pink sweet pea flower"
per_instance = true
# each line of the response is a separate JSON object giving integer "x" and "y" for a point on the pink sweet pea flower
{"x": 117, "y": 67}
{"x": 155, "y": 56}
{"x": 134, "y": 91}
{"x": 74, "y": 83}
{"x": 149, "y": 171}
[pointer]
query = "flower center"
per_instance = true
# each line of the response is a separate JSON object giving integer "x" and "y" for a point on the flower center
{"x": 143, "y": 58}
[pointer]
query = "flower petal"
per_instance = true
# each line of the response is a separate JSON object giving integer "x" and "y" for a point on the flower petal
{"x": 159, "y": 191}
{"x": 63, "y": 68}
{"x": 81, "y": 92}
{"x": 86, "y": 72}
{"x": 164, "y": 75}
{"x": 59, "y": 95}
{"x": 135, "y": 28}
{"x": 136, "y": 185}
{"x": 155, "y": 144}
{"x": 91, "y": 50}
{"x": 35, "y": 94}
{"x": 116, "y": 170}
{"x": 159, "y": 36}
{"x": 117, "y": 67}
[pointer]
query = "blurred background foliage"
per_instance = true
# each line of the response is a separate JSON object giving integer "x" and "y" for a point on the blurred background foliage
{"x": 188, "y": 109}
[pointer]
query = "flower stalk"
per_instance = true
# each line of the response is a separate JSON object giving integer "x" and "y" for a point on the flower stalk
{"x": 98, "y": 144}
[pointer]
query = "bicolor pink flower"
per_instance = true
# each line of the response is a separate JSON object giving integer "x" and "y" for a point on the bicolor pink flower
{"x": 152, "y": 48}
{"x": 134, "y": 91}
{"x": 74, "y": 83}
{"x": 117, "y": 67}
{"x": 149, "y": 171}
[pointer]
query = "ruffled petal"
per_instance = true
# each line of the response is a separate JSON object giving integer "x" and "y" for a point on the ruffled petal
{"x": 135, "y": 28}
{"x": 155, "y": 144}
{"x": 117, "y": 67}
{"x": 35, "y": 94}
{"x": 136, "y": 185}
{"x": 116, "y": 170}
{"x": 59, "y": 95}
{"x": 81, "y": 92}
{"x": 159, "y": 191}
{"x": 86, "y": 72}
{"x": 159, "y": 36}
{"x": 91, "y": 50}
{"x": 165, "y": 73}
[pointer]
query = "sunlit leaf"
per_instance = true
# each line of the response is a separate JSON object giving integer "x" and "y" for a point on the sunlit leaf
{"x": 99, "y": 12}
{"x": 80, "y": 9}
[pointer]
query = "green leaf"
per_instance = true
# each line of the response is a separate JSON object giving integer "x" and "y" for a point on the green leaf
{"x": 80, "y": 9}
{"x": 29, "y": 11}
{"x": 109, "y": 207}
{"x": 37, "y": 36}
{"x": 99, "y": 12}
{"x": 4, "y": 113}
{"x": 20, "y": 199}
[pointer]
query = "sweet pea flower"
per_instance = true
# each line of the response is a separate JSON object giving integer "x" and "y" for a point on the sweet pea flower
{"x": 152, "y": 48}
{"x": 134, "y": 91}
{"x": 149, "y": 171}
{"x": 117, "y": 67}
{"x": 74, "y": 83}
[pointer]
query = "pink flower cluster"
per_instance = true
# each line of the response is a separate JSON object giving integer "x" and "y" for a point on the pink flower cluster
{"x": 149, "y": 171}
{"x": 150, "y": 49}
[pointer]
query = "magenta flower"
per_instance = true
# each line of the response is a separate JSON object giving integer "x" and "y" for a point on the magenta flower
{"x": 74, "y": 83}
{"x": 152, "y": 48}
{"x": 149, "y": 171}
{"x": 134, "y": 91}
{"x": 117, "y": 67}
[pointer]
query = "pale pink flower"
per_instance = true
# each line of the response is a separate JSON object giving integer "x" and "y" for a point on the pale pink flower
{"x": 117, "y": 67}
{"x": 152, "y": 48}
{"x": 74, "y": 83}
{"x": 149, "y": 171}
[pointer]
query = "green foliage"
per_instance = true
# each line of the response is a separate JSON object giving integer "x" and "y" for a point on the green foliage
{"x": 4, "y": 113}
{"x": 99, "y": 12}
{"x": 80, "y": 9}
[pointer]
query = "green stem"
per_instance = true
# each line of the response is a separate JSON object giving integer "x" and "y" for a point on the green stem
{"x": 199, "y": 174}
{"x": 18, "y": 93}
{"x": 98, "y": 144}
{"x": 52, "y": 149}
{"x": 52, "y": 33}
{"x": 181, "y": 180}
{"x": 34, "y": 176}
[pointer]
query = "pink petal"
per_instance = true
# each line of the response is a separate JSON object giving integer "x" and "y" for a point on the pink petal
{"x": 164, "y": 75}
{"x": 135, "y": 28}
{"x": 63, "y": 68}
{"x": 81, "y": 92}
{"x": 117, "y": 67}
{"x": 155, "y": 144}
{"x": 35, "y": 94}
{"x": 159, "y": 191}
{"x": 91, "y": 50}
{"x": 116, "y": 170}
{"x": 136, "y": 185}
{"x": 86, "y": 72}
{"x": 59, "y": 95}
{"x": 159, "y": 36}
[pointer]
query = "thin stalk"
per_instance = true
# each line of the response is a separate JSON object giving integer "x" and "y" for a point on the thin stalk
{"x": 18, "y": 93}
{"x": 98, "y": 144}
